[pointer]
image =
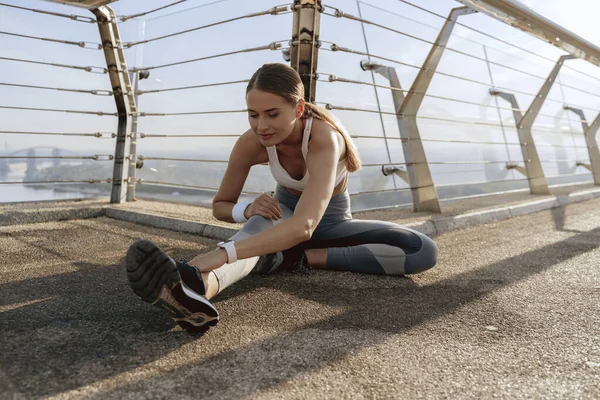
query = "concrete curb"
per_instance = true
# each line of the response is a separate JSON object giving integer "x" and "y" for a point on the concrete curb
{"x": 447, "y": 224}
{"x": 577, "y": 197}
{"x": 173, "y": 224}
{"x": 432, "y": 227}
{"x": 50, "y": 215}
{"x": 533, "y": 206}
{"x": 426, "y": 227}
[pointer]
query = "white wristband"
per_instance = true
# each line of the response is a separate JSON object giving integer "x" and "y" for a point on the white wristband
{"x": 238, "y": 211}
{"x": 229, "y": 248}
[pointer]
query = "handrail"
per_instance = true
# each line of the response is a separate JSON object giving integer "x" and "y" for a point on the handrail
{"x": 516, "y": 14}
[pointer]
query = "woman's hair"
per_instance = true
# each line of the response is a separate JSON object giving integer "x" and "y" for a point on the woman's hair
{"x": 284, "y": 81}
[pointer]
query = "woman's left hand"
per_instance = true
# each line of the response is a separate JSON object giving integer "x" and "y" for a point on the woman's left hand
{"x": 265, "y": 206}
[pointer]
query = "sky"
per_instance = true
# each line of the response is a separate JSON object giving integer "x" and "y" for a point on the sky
{"x": 579, "y": 16}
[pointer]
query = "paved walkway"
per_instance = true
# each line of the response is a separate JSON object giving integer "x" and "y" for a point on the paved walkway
{"x": 511, "y": 310}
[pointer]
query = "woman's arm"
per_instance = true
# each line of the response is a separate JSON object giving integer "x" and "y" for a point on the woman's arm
{"x": 321, "y": 163}
{"x": 246, "y": 152}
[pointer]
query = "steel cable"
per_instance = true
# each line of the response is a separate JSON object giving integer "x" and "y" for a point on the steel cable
{"x": 95, "y": 157}
{"x": 82, "y": 44}
{"x": 78, "y": 18}
{"x": 145, "y": 114}
{"x": 144, "y": 135}
{"x": 90, "y": 181}
{"x": 143, "y": 181}
{"x": 496, "y": 38}
{"x": 99, "y": 113}
{"x": 180, "y": 159}
{"x": 332, "y": 107}
{"x": 271, "y": 46}
{"x": 140, "y": 92}
{"x": 342, "y": 14}
{"x": 94, "y": 92}
{"x": 335, "y": 47}
{"x": 96, "y": 135}
{"x": 125, "y": 18}
{"x": 96, "y": 70}
{"x": 272, "y": 11}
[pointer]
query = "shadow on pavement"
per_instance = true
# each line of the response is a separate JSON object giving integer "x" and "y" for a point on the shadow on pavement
{"x": 88, "y": 325}
{"x": 372, "y": 316}
{"x": 85, "y": 328}
{"x": 67, "y": 330}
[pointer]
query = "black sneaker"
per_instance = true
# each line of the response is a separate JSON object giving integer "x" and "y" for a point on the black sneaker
{"x": 290, "y": 260}
{"x": 154, "y": 277}
{"x": 191, "y": 276}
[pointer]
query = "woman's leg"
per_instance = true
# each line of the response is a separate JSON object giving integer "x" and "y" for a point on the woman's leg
{"x": 373, "y": 247}
{"x": 226, "y": 275}
{"x": 178, "y": 287}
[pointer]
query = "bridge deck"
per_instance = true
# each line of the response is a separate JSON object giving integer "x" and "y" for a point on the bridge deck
{"x": 511, "y": 309}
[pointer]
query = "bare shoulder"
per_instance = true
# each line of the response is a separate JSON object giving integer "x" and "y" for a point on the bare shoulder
{"x": 249, "y": 148}
{"x": 248, "y": 138}
{"x": 324, "y": 135}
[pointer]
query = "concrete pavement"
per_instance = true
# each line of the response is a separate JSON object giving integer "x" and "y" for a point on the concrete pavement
{"x": 511, "y": 310}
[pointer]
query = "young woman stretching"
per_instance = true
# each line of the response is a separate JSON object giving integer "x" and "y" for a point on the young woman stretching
{"x": 306, "y": 224}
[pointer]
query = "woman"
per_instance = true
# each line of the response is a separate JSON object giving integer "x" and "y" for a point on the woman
{"x": 306, "y": 224}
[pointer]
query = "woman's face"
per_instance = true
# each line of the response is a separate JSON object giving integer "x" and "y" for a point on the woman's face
{"x": 271, "y": 117}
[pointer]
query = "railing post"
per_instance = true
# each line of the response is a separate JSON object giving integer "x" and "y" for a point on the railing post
{"x": 533, "y": 166}
{"x": 417, "y": 92}
{"x": 424, "y": 195}
{"x": 398, "y": 96}
{"x": 404, "y": 176}
{"x": 589, "y": 133}
{"x": 134, "y": 79}
{"x": 530, "y": 155}
{"x": 123, "y": 94}
{"x": 305, "y": 43}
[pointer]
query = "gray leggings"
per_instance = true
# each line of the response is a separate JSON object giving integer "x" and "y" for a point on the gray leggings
{"x": 372, "y": 247}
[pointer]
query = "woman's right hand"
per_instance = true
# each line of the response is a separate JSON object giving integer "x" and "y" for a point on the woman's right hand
{"x": 265, "y": 206}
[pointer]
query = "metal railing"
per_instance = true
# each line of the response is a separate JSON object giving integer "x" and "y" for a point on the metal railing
{"x": 410, "y": 157}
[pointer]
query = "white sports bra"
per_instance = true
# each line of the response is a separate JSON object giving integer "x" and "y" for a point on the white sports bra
{"x": 283, "y": 177}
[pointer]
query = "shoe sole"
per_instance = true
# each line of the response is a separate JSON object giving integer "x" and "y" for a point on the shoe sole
{"x": 154, "y": 277}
